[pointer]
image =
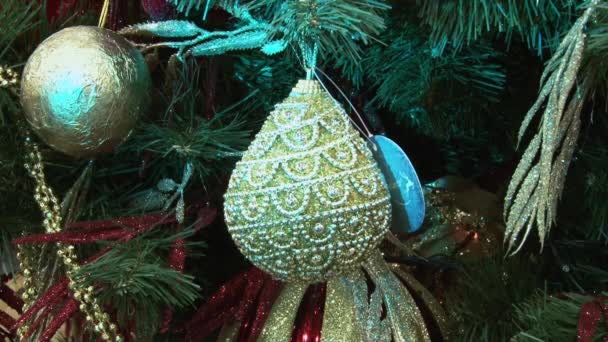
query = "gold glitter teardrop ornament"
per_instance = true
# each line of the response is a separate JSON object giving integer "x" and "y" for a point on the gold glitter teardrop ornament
{"x": 83, "y": 90}
{"x": 307, "y": 201}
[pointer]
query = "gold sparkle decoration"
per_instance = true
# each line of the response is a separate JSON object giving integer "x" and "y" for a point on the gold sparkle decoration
{"x": 279, "y": 324}
{"x": 538, "y": 181}
{"x": 8, "y": 77}
{"x": 407, "y": 324}
{"x": 307, "y": 202}
{"x": 229, "y": 332}
{"x": 339, "y": 318}
{"x": 437, "y": 312}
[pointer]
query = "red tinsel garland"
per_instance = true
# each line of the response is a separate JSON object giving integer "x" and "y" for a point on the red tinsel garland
{"x": 231, "y": 302}
{"x": 121, "y": 229}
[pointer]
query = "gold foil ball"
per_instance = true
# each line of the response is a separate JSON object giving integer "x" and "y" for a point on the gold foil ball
{"x": 83, "y": 90}
{"x": 307, "y": 201}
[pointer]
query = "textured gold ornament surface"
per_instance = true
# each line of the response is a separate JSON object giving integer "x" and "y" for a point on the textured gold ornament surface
{"x": 83, "y": 90}
{"x": 307, "y": 201}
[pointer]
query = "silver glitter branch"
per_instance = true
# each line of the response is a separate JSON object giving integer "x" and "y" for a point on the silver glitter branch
{"x": 191, "y": 40}
{"x": 538, "y": 181}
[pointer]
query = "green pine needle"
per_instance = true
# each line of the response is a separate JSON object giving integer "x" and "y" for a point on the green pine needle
{"x": 135, "y": 278}
{"x": 485, "y": 297}
{"x": 459, "y": 23}
{"x": 547, "y": 318}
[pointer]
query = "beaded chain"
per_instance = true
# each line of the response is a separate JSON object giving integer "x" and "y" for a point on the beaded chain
{"x": 52, "y": 222}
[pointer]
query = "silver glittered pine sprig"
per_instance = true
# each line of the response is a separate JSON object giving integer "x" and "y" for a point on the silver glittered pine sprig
{"x": 192, "y": 40}
{"x": 538, "y": 180}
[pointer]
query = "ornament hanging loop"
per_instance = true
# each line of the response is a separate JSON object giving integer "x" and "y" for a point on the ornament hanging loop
{"x": 309, "y": 56}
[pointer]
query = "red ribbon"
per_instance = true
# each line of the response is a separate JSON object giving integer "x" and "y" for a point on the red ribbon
{"x": 589, "y": 319}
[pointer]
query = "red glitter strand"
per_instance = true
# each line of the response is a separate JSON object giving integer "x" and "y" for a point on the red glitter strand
{"x": 590, "y": 316}
{"x": 8, "y": 296}
{"x": 72, "y": 237}
{"x": 50, "y": 306}
{"x": 68, "y": 310}
{"x": 252, "y": 327}
{"x": 231, "y": 302}
{"x": 309, "y": 320}
{"x": 58, "y": 290}
{"x": 92, "y": 231}
{"x": 6, "y": 321}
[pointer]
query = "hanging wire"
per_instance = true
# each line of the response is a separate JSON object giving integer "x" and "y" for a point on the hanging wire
{"x": 367, "y": 132}
{"x": 309, "y": 65}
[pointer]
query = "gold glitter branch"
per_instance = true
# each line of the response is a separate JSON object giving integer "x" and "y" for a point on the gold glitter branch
{"x": 538, "y": 181}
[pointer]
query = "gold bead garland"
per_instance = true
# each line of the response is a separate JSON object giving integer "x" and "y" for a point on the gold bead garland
{"x": 8, "y": 78}
{"x": 30, "y": 292}
{"x": 51, "y": 210}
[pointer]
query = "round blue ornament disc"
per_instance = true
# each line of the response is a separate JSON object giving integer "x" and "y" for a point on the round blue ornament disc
{"x": 407, "y": 198}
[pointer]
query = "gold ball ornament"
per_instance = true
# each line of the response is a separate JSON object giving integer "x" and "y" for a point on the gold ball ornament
{"x": 83, "y": 90}
{"x": 307, "y": 202}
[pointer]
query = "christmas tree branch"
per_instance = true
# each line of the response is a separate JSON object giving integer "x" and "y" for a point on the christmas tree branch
{"x": 548, "y": 318}
{"x": 134, "y": 276}
{"x": 459, "y": 23}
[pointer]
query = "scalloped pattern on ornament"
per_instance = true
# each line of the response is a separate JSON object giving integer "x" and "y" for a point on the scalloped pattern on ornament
{"x": 307, "y": 201}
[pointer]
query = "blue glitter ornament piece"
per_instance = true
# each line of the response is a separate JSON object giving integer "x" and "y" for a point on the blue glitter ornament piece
{"x": 407, "y": 198}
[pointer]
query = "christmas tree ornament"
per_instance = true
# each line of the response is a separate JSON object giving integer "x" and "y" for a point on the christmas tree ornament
{"x": 84, "y": 89}
{"x": 307, "y": 202}
{"x": 407, "y": 198}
